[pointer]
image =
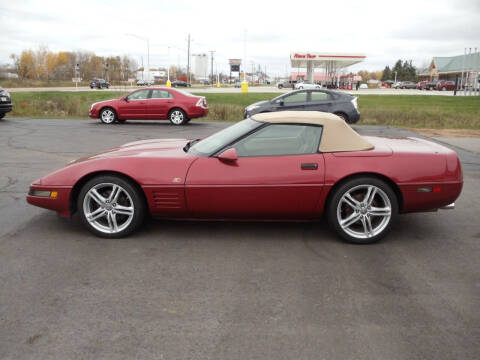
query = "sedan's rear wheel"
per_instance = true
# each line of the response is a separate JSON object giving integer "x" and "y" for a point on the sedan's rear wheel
{"x": 108, "y": 116}
{"x": 343, "y": 116}
{"x": 362, "y": 210}
{"x": 111, "y": 207}
{"x": 177, "y": 117}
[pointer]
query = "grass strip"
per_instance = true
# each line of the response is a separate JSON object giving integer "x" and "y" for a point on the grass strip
{"x": 414, "y": 111}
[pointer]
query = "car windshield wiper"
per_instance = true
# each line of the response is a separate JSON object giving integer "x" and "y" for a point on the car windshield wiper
{"x": 190, "y": 144}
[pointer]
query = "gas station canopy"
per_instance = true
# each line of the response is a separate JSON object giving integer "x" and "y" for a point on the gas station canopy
{"x": 321, "y": 60}
{"x": 330, "y": 62}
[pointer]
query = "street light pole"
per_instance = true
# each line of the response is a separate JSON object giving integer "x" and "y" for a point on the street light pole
{"x": 169, "y": 83}
{"x": 245, "y": 82}
{"x": 148, "y": 52}
{"x": 211, "y": 66}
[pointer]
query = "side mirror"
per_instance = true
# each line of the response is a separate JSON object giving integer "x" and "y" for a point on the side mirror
{"x": 229, "y": 155}
{"x": 281, "y": 103}
{"x": 125, "y": 99}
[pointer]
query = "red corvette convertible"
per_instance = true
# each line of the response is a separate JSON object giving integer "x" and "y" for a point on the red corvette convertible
{"x": 178, "y": 106}
{"x": 286, "y": 166}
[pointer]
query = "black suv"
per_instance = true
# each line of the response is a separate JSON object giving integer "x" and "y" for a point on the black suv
{"x": 5, "y": 102}
{"x": 99, "y": 84}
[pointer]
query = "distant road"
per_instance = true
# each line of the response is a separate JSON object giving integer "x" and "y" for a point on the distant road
{"x": 255, "y": 89}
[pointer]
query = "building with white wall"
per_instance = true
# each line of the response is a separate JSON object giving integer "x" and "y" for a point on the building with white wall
{"x": 200, "y": 66}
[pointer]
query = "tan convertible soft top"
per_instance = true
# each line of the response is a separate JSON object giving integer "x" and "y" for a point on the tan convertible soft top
{"x": 337, "y": 135}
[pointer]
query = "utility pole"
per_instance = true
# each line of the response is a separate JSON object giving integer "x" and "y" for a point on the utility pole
{"x": 211, "y": 66}
{"x": 188, "y": 60}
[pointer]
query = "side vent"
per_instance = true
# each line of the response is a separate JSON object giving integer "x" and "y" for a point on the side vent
{"x": 166, "y": 200}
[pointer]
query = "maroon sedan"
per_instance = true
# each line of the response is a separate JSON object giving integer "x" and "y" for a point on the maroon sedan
{"x": 153, "y": 104}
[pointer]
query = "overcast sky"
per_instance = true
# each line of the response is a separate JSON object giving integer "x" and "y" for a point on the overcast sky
{"x": 382, "y": 30}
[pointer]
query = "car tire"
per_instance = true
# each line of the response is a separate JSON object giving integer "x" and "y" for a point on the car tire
{"x": 2, "y": 115}
{"x": 111, "y": 215}
{"x": 357, "y": 216}
{"x": 91, "y": 87}
{"x": 280, "y": 86}
{"x": 108, "y": 116}
{"x": 444, "y": 88}
{"x": 300, "y": 87}
{"x": 177, "y": 117}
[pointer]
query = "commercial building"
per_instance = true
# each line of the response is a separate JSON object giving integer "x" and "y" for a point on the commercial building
{"x": 451, "y": 67}
{"x": 152, "y": 75}
{"x": 200, "y": 66}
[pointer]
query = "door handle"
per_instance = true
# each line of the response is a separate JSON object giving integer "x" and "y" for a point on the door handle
{"x": 309, "y": 166}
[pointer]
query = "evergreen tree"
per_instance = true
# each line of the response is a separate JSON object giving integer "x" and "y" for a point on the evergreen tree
{"x": 387, "y": 74}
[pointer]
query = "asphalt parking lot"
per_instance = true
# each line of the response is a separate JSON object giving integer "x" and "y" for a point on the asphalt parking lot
{"x": 184, "y": 290}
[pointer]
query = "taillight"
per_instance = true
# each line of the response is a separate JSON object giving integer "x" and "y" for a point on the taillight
{"x": 202, "y": 102}
{"x": 354, "y": 102}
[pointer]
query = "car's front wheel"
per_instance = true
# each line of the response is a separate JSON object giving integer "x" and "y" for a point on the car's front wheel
{"x": 111, "y": 206}
{"x": 362, "y": 210}
{"x": 108, "y": 116}
{"x": 177, "y": 117}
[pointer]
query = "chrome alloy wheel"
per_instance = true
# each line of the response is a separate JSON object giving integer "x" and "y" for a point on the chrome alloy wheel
{"x": 364, "y": 211}
{"x": 108, "y": 116}
{"x": 177, "y": 117}
{"x": 108, "y": 208}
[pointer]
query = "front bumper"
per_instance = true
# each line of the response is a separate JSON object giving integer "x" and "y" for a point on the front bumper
{"x": 60, "y": 204}
{"x": 6, "y": 107}
{"x": 93, "y": 114}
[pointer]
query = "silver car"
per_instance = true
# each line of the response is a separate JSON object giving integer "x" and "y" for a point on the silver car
{"x": 307, "y": 85}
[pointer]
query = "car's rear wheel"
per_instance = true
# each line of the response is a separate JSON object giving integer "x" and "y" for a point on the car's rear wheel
{"x": 362, "y": 210}
{"x": 177, "y": 116}
{"x": 111, "y": 206}
{"x": 343, "y": 116}
{"x": 108, "y": 116}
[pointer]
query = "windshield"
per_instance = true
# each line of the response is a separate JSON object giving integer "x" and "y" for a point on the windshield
{"x": 215, "y": 142}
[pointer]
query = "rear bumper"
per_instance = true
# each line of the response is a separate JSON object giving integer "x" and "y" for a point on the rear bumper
{"x": 415, "y": 201}
{"x": 197, "y": 112}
